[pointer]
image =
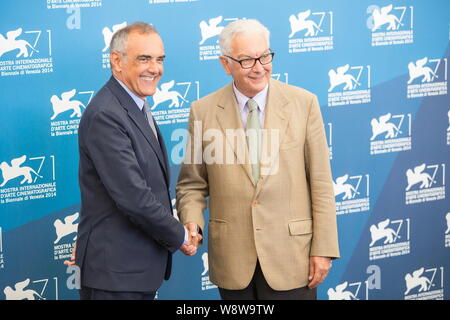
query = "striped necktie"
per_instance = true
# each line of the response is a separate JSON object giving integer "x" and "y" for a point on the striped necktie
{"x": 254, "y": 137}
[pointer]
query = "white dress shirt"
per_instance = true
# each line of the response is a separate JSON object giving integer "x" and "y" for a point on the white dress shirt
{"x": 261, "y": 100}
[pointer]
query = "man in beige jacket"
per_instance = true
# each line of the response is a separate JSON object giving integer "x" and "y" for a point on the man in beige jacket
{"x": 272, "y": 229}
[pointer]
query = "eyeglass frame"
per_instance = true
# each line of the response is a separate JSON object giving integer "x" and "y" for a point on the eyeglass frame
{"x": 254, "y": 59}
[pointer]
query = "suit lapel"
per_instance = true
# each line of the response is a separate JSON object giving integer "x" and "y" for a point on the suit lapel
{"x": 277, "y": 115}
{"x": 229, "y": 118}
{"x": 138, "y": 118}
{"x": 164, "y": 153}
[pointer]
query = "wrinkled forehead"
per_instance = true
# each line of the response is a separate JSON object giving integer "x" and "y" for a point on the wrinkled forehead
{"x": 249, "y": 44}
{"x": 140, "y": 43}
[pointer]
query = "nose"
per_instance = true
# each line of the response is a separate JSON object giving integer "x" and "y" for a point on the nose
{"x": 258, "y": 67}
{"x": 154, "y": 67}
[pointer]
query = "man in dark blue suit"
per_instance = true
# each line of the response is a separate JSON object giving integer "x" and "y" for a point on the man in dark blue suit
{"x": 127, "y": 232}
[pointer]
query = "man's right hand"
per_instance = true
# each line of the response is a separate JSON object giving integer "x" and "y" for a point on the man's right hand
{"x": 194, "y": 237}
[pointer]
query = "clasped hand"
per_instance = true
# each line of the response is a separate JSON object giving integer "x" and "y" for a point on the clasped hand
{"x": 190, "y": 248}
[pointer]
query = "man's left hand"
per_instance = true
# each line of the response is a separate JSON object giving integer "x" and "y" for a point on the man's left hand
{"x": 318, "y": 270}
{"x": 71, "y": 262}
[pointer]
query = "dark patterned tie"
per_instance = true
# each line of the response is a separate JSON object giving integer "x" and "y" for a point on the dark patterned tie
{"x": 149, "y": 117}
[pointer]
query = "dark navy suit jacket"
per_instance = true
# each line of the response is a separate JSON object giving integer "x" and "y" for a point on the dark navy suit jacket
{"x": 127, "y": 233}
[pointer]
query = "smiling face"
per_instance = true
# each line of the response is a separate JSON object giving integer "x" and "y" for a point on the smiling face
{"x": 141, "y": 67}
{"x": 248, "y": 81}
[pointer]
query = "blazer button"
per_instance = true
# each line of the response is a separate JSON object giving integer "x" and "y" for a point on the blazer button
{"x": 255, "y": 203}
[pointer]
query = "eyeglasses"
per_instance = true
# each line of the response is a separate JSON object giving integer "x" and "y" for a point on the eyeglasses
{"x": 249, "y": 63}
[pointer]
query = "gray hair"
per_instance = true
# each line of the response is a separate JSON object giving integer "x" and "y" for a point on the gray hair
{"x": 120, "y": 37}
{"x": 243, "y": 26}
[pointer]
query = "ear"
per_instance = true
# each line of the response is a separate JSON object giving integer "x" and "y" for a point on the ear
{"x": 116, "y": 61}
{"x": 224, "y": 61}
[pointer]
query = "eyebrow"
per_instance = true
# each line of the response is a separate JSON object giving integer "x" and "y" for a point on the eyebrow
{"x": 149, "y": 57}
{"x": 244, "y": 56}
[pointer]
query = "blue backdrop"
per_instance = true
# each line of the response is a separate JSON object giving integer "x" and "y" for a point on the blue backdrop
{"x": 380, "y": 70}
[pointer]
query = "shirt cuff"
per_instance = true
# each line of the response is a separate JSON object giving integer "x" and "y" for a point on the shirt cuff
{"x": 186, "y": 236}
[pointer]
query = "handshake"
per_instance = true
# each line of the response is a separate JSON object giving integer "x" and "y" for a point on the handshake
{"x": 189, "y": 248}
{"x": 194, "y": 239}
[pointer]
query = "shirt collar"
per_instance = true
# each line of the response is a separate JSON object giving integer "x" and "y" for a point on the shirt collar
{"x": 138, "y": 100}
{"x": 260, "y": 98}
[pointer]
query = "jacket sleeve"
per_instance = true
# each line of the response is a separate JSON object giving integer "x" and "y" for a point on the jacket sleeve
{"x": 111, "y": 150}
{"x": 325, "y": 238}
{"x": 192, "y": 188}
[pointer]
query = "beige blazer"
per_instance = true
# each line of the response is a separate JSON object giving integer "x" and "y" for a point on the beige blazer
{"x": 282, "y": 219}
